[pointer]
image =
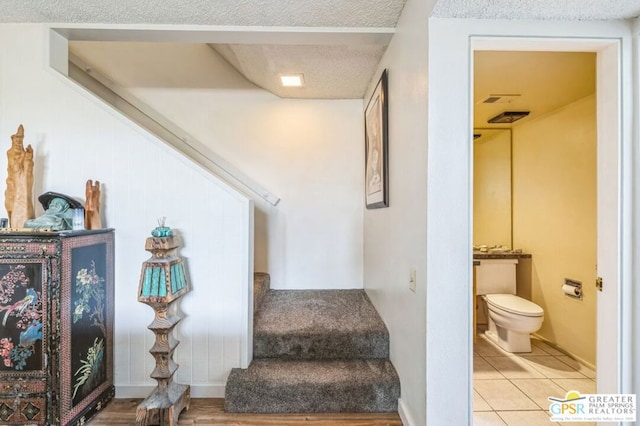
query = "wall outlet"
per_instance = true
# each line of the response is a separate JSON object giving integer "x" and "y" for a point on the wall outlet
{"x": 412, "y": 280}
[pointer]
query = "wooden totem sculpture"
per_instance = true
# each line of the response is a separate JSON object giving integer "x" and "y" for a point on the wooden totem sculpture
{"x": 92, "y": 206}
{"x": 18, "y": 197}
{"x": 163, "y": 280}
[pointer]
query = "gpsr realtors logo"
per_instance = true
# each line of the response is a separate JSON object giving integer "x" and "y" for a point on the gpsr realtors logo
{"x": 593, "y": 408}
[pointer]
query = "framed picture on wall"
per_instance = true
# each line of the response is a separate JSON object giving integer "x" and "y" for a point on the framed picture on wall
{"x": 376, "y": 147}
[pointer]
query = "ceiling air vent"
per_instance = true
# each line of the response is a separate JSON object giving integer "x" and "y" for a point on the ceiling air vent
{"x": 506, "y": 98}
{"x": 508, "y": 117}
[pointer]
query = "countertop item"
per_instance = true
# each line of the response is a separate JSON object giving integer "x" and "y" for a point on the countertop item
{"x": 504, "y": 255}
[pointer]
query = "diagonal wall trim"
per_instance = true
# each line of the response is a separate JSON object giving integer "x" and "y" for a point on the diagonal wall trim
{"x": 162, "y": 127}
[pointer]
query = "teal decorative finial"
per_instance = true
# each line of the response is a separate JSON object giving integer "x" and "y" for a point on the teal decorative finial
{"x": 161, "y": 230}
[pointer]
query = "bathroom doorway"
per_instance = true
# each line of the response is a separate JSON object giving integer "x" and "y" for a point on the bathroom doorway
{"x": 450, "y": 192}
{"x": 535, "y": 181}
{"x": 551, "y": 177}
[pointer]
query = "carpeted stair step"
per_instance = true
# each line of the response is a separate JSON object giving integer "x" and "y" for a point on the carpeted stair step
{"x": 288, "y": 386}
{"x": 315, "y": 351}
{"x": 319, "y": 324}
{"x": 261, "y": 286}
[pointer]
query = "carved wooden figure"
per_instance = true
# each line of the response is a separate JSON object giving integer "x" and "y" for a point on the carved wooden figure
{"x": 162, "y": 282}
{"x": 18, "y": 197}
{"x": 92, "y": 206}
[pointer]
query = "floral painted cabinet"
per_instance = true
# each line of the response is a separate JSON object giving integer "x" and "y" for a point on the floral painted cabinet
{"x": 56, "y": 326}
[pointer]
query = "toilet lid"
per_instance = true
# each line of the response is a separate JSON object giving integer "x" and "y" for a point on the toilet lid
{"x": 514, "y": 304}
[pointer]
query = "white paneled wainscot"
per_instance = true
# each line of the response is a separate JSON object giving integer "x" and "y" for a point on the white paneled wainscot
{"x": 76, "y": 137}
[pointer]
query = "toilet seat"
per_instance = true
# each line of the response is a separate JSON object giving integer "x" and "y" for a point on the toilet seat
{"x": 514, "y": 304}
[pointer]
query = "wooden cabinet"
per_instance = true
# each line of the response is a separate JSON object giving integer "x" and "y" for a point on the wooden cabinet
{"x": 56, "y": 326}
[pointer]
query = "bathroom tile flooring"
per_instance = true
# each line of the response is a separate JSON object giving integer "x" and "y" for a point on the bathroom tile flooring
{"x": 512, "y": 389}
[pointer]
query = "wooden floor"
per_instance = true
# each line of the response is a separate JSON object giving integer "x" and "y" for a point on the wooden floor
{"x": 208, "y": 411}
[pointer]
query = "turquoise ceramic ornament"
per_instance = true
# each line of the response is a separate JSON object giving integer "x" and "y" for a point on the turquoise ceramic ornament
{"x": 162, "y": 230}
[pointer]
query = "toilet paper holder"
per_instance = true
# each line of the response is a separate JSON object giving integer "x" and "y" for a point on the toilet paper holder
{"x": 572, "y": 288}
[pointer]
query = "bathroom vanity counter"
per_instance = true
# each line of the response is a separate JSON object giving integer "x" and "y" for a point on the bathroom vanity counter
{"x": 507, "y": 255}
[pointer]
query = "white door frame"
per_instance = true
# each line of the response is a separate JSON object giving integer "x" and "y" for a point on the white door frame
{"x": 449, "y": 221}
{"x": 608, "y": 216}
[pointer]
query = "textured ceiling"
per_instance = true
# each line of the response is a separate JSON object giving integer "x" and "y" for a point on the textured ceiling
{"x": 332, "y": 70}
{"x": 305, "y": 13}
{"x": 582, "y": 10}
{"x": 543, "y": 81}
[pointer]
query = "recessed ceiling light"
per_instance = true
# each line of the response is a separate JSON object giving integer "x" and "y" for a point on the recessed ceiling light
{"x": 292, "y": 80}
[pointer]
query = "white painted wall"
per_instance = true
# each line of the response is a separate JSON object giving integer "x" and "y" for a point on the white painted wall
{"x": 75, "y": 138}
{"x": 395, "y": 237}
{"x": 308, "y": 152}
{"x": 449, "y": 354}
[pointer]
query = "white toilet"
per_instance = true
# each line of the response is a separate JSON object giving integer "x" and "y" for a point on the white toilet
{"x": 511, "y": 318}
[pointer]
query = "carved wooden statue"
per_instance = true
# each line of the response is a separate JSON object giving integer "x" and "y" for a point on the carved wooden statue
{"x": 92, "y": 206}
{"x": 18, "y": 197}
{"x": 162, "y": 282}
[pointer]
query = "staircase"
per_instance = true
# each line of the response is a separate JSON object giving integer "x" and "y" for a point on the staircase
{"x": 315, "y": 351}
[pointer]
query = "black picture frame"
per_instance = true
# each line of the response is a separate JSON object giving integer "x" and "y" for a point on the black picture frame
{"x": 376, "y": 131}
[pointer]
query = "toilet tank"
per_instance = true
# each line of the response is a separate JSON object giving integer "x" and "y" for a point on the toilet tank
{"x": 496, "y": 276}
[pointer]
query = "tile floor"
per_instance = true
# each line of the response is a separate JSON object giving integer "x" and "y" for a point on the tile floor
{"x": 512, "y": 389}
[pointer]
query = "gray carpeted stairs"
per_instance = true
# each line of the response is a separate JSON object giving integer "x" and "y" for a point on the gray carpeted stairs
{"x": 315, "y": 351}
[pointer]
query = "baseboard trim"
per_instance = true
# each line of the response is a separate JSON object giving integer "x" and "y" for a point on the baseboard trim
{"x": 405, "y": 417}
{"x": 197, "y": 391}
{"x": 133, "y": 391}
